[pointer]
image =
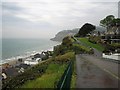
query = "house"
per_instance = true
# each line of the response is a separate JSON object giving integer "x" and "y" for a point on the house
{"x": 94, "y": 33}
{"x": 37, "y": 55}
{"x": 4, "y": 76}
{"x": 25, "y": 66}
{"x": 32, "y": 61}
{"x": 115, "y": 56}
{"x": 42, "y": 55}
{"x": 20, "y": 59}
{"x": 9, "y": 72}
{"x": 21, "y": 70}
{"x": 113, "y": 34}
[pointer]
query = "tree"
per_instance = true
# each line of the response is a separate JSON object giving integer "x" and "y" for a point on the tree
{"x": 106, "y": 22}
{"x": 115, "y": 22}
{"x": 85, "y": 29}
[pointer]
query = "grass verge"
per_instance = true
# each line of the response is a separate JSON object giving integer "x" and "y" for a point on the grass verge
{"x": 96, "y": 46}
{"x": 49, "y": 79}
{"x": 53, "y": 73}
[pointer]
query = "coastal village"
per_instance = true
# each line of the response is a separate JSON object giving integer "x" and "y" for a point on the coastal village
{"x": 82, "y": 48}
{"x": 21, "y": 64}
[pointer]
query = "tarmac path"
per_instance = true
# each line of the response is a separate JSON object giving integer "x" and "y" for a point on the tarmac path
{"x": 93, "y": 72}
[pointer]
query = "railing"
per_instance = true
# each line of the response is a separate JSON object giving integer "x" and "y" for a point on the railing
{"x": 66, "y": 78}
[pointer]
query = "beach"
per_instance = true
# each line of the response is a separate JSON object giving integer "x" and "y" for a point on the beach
{"x": 13, "y": 49}
{"x": 21, "y": 54}
{"x": 15, "y": 60}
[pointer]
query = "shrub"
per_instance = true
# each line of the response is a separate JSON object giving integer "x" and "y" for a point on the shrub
{"x": 81, "y": 49}
{"x": 95, "y": 39}
{"x": 59, "y": 50}
{"x": 65, "y": 58}
{"x": 92, "y": 41}
{"x": 66, "y": 46}
{"x": 67, "y": 41}
{"x": 112, "y": 47}
{"x": 115, "y": 45}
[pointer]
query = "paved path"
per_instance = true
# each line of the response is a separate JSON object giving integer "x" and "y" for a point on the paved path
{"x": 97, "y": 53}
{"x": 89, "y": 75}
{"x": 103, "y": 64}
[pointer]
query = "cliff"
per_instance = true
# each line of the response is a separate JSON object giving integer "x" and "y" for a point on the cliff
{"x": 60, "y": 35}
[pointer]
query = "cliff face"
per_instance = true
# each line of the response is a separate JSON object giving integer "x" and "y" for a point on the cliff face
{"x": 60, "y": 35}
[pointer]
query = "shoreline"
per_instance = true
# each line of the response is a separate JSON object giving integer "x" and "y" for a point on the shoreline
{"x": 14, "y": 60}
{"x": 6, "y": 58}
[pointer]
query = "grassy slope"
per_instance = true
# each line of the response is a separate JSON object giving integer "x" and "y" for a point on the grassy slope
{"x": 53, "y": 73}
{"x": 49, "y": 79}
{"x": 97, "y": 46}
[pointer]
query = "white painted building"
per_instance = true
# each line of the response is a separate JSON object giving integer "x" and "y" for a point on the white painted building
{"x": 21, "y": 70}
{"x": 4, "y": 75}
{"x": 30, "y": 61}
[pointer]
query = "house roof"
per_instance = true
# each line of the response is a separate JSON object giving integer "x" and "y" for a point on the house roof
{"x": 11, "y": 71}
{"x": 37, "y": 55}
{"x": 25, "y": 66}
{"x": 42, "y": 55}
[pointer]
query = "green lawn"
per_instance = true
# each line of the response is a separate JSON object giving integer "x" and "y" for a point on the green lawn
{"x": 49, "y": 79}
{"x": 97, "y": 46}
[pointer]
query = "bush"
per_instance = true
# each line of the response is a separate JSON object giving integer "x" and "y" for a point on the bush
{"x": 66, "y": 46}
{"x": 92, "y": 41}
{"x": 81, "y": 49}
{"x": 112, "y": 48}
{"x": 67, "y": 41}
{"x": 65, "y": 58}
{"x": 115, "y": 45}
{"x": 95, "y": 39}
{"x": 59, "y": 50}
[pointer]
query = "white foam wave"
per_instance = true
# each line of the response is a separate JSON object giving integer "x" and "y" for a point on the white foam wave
{"x": 26, "y": 54}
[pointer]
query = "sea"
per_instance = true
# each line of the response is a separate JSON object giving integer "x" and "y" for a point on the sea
{"x": 14, "y": 48}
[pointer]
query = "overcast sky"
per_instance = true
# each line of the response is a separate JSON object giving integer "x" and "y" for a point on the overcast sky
{"x": 44, "y": 18}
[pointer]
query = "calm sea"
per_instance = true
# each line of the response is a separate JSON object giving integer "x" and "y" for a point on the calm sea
{"x": 17, "y": 47}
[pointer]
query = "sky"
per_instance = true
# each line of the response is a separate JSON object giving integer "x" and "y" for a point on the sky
{"x": 44, "y": 18}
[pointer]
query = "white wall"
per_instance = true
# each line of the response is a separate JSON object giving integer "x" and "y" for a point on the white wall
{"x": 30, "y": 63}
{"x": 112, "y": 56}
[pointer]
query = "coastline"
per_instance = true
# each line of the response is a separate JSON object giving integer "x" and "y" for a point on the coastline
{"x": 14, "y": 60}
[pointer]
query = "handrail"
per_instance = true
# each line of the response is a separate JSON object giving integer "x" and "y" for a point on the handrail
{"x": 65, "y": 80}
